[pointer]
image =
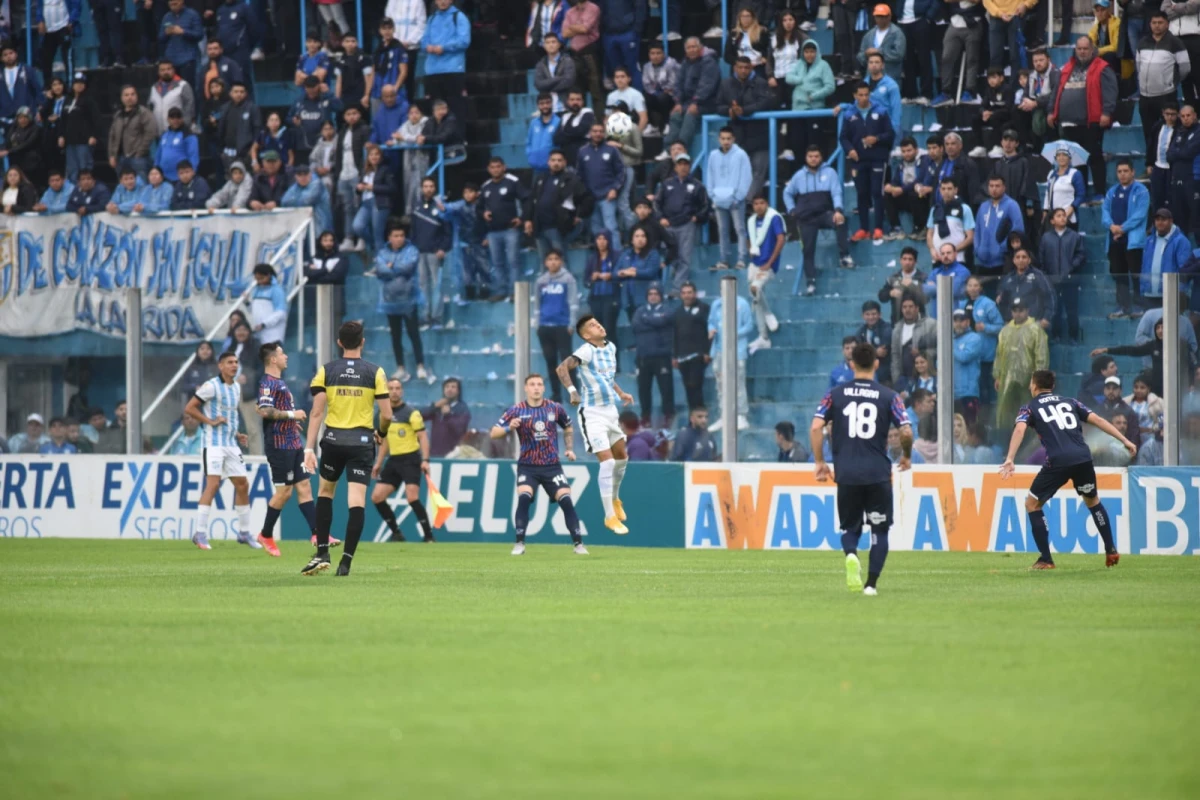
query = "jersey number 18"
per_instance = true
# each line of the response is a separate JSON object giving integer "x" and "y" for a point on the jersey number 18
{"x": 862, "y": 417}
{"x": 1059, "y": 415}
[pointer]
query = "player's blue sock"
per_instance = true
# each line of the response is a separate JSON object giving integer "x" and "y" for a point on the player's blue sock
{"x": 524, "y": 501}
{"x": 850, "y": 541}
{"x": 418, "y": 509}
{"x": 324, "y": 523}
{"x": 1041, "y": 535}
{"x": 879, "y": 554}
{"x": 1100, "y": 517}
{"x": 268, "y": 528}
{"x": 571, "y": 518}
{"x": 309, "y": 511}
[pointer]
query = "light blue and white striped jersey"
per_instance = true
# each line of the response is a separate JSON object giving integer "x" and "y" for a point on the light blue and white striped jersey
{"x": 598, "y": 373}
{"x": 220, "y": 399}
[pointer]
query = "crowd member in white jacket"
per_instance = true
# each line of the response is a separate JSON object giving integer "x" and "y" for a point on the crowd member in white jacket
{"x": 409, "y": 17}
{"x": 235, "y": 194}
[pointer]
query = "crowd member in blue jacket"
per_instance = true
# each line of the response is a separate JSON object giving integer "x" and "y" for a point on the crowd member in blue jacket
{"x": 639, "y": 266}
{"x": 910, "y": 184}
{"x": 1061, "y": 254}
{"x": 159, "y": 193}
{"x": 307, "y": 193}
{"x": 813, "y": 199}
{"x": 90, "y": 196}
{"x": 502, "y": 198}
{"x": 431, "y": 233}
{"x": 25, "y": 91}
{"x": 1166, "y": 251}
{"x": 395, "y": 268}
{"x": 1124, "y": 216}
{"x": 128, "y": 193}
{"x": 447, "y": 37}
{"x": 604, "y": 285}
{"x": 602, "y": 171}
{"x": 1181, "y": 155}
{"x": 620, "y": 25}
{"x": 391, "y": 66}
{"x": 727, "y": 180}
{"x": 885, "y": 91}
{"x": 234, "y": 22}
{"x": 471, "y": 282}
{"x": 58, "y": 193}
{"x": 988, "y": 322}
{"x": 539, "y": 140}
{"x": 682, "y": 201}
{"x": 947, "y": 264}
{"x": 997, "y": 217}
{"x": 57, "y": 35}
{"x": 968, "y": 359}
{"x": 556, "y": 307}
{"x": 310, "y": 113}
{"x": 176, "y": 144}
{"x": 866, "y": 140}
{"x": 179, "y": 39}
{"x": 699, "y": 80}
{"x": 389, "y": 114}
{"x": 654, "y": 339}
{"x": 191, "y": 191}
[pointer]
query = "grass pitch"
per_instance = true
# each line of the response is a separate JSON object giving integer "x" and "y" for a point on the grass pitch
{"x": 153, "y": 670}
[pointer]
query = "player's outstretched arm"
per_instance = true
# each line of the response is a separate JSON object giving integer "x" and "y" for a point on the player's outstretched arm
{"x": 626, "y": 398}
{"x": 563, "y": 371}
{"x": 385, "y": 414}
{"x": 1106, "y": 426}
{"x": 1018, "y": 436}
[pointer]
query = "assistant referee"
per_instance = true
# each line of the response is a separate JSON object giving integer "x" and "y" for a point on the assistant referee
{"x": 345, "y": 394}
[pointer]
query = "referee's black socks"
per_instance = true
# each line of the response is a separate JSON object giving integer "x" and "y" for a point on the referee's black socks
{"x": 1100, "y": 517}
{"x": 324, "y": 523}
{"x": 418, "y": 509}
{"x": 389, "y": 517}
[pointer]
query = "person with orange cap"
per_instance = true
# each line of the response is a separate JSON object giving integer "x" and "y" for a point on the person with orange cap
{"x": 888, "y": 39}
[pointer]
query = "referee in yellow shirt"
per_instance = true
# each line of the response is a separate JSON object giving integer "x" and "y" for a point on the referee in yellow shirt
{"x": 407, "y": 454}
{"x": 345, "y": 394}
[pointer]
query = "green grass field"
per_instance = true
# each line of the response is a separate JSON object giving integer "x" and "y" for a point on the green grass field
{"x": 152, "y": 670}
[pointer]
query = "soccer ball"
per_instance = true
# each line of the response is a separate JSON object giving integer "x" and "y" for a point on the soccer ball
{"x": 618, "y": 125}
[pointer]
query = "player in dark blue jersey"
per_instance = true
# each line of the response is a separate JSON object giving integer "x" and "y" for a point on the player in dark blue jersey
{"x": 1059, "y": 422}
{"x": 861, "y": 412}
{"x": 536, "y": 422}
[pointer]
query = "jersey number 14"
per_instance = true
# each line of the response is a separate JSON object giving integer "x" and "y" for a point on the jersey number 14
{"x": 1059, "y": 415}
{"x": 861, "y": 418}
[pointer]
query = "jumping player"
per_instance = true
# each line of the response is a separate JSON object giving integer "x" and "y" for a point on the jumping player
{"x": 215, "y": 406}
{"x": 284, "y": 446}
{"x": 534, "y": 422}
{"x": 1059, "y": 422}
{"x": 861, "y": 412}
{"x": 345, "y": 394}
{"x": 408, "y": 448}
{"x": 596, "y": 359}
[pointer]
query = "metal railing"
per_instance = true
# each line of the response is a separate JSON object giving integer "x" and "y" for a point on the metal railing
{"x": 438, "y": 166}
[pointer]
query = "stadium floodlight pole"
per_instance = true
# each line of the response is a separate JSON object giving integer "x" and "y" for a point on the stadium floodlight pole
{"x": 945, "y": 376}
{"x": 522, "y": 341}
{"x": 1174, "y": 365}
{"x": 133, "y": 370}
{"x": 729, "y": 370}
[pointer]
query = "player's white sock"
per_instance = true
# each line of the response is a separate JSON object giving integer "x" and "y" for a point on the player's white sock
{"x": 618, "y": 476}
{"x": 243, "y": 517}
{"x": 202, "y": 518}
{"x": 606, "y": 486}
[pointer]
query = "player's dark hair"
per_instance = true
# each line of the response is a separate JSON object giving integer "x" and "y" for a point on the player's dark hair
{"x": 1043, "y": 378}
{"x": 584, "y": 320}
{"x": 787, "y": 430}
{"x": 863, "y": 355}
{"x": 849, "y": 340}
{"x": 533, "y": 375}
{"x": 350, "y": 335}
{"x": 267, "y": 350}
{"x": 222, "y": 357}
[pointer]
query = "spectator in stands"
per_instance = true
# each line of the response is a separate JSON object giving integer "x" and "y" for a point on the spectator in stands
{"x": 327, "y": 265}
{"x": 766, "y": 233}
{"x": 575, "y": 127}
{"x": 639, "y": 443}
{"x": 904, "y": 282}
{"x": 1081, "y": 113}
{"x": 313, "y": 62}
{"x": 354, "y": 73}
{"x": 556, "y": 307}
{"x": 813, "y": 199}
{"x": 690, "y": 349}
{"x": 665, "y": 168}
{"x": 410, "y": 20}
{"x": 444, "y": 128}
{"x": 1111, "y": 405}
{"x": 395, "y": 268}
{"x": 745, "y": 327}
{"x": 316, "y": 107}
{"x": 233, "y": 31}
{"x": 603, "y": 173}
{"x": 996, "y": 219}
{"x": 216, "y": 66}
{"x": 33, "y": 439}
{"x": 503, "y": 198}
{"x": 203, "y": 367}
{"x": 694, "y": 442}
{"x": 108, "y": 17}
{"x": 545, "y": 18}
{"x": 127, "y": 195}
{"x": 785, "y": 53}
{"x": 888, "y": 40}
{"x": 1030, "y": 285}
{"x": 179, "y": 39}
{"x": 1061, "y": 255}
{"x": 620, "y": 25}
{"x": 699, "y": 82}
{"x": 1166, "y": 251}
{"x": 211, "y": 111}
{"x": 274, "y": 136}
{"x": 1005, "y": 19}
{"x": 323, "y": 158}
{"x": 558, "y": 204}
{"x": 1092, "y": 388}
{"x": 947, "y": 264}
{"x": 631, "y": 149}
{"x": 877, "y": 333}
{"x": 909, "y": 186}
{"x": 81, "y": 121}
{"x": 348, "y": 164}
{"x": 885, "y": 91}
{"x": 54, "y": 126}
{"x": 20, "y": 88}
{"x": 432, "y": 235}
{"x": 660, "y": 89}
{"x": 749, "y": 39}
{"x": 447, "y": 37}
{"x": 581, "y": 30}
{"x": 132, "y": 132}
{"x": 23, "y": 144}
{"x": 627, "y": 100}
{"x": 924, "y": 375}
{"x": 1105, "y": 34}
{"x": 812, "y": 81}
{"x": 1023, "y": 348}
{"x": 159, "y": 193}
{"x": 604, "y": 286}
{"x": 1030, "y": 113}
{"x": 916, "y": 23}
{"x": 90, "y": 196}
{"x": 75, "y": 438}
{"x": 911, "y": 335}
{"x": 386, "y": 81}
{"x": 238, "y": 127}
{"x": 540, "y": 137}
{"x": 55, "y": 200}
{"x": 1013, "y": 165}
{"x": 176, "y": 144}
{"x": 995, "y": 113}
{"x": 269, "y": 185}
{"x": 474, "y": 273}
{"x": 192, "y": 191}
{"x": 110, "y": 438}
{"x": 190, "y": 442}
{"x": 638, "y": 268}
{"x": 727, "y": 180}
{"x": 375, "y": 198}
{"x": 447, "y": 419}
{"x": 1163, "y": 63}
{"x": 963, "y": 170}
{"x": 844, "y": 371}
{"x": 1064, "y": 189}
{"x": 683, "y": 204}
{"x": 653, "y": 331}
{"x": 866, "y": 140}
{"x": 19, "y": 196}
{"x": 950, "y": 222}
{"x": 790, "y": 451}
{"x": 969, "y": 349}
{"x": 1161, "y": 133}
{"x": 1146, "y": 404}
{"x": 268, "y": 305}
{"x": 987, "y": 321}
{"x": 1181, "y": 155}
{"x": 844, "y": 16}
{"x": 57, "y": 24}
{"x": 305, "y": 192}
{"x": 742, "y": 95}
{"x": 555, "y": 72}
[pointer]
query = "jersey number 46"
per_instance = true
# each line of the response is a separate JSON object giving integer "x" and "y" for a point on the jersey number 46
{"x": 1059, "y": 415}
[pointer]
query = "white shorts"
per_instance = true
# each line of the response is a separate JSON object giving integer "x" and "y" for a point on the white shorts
{"x": 227, "y": 462}
{"x": 600, "y": 427}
